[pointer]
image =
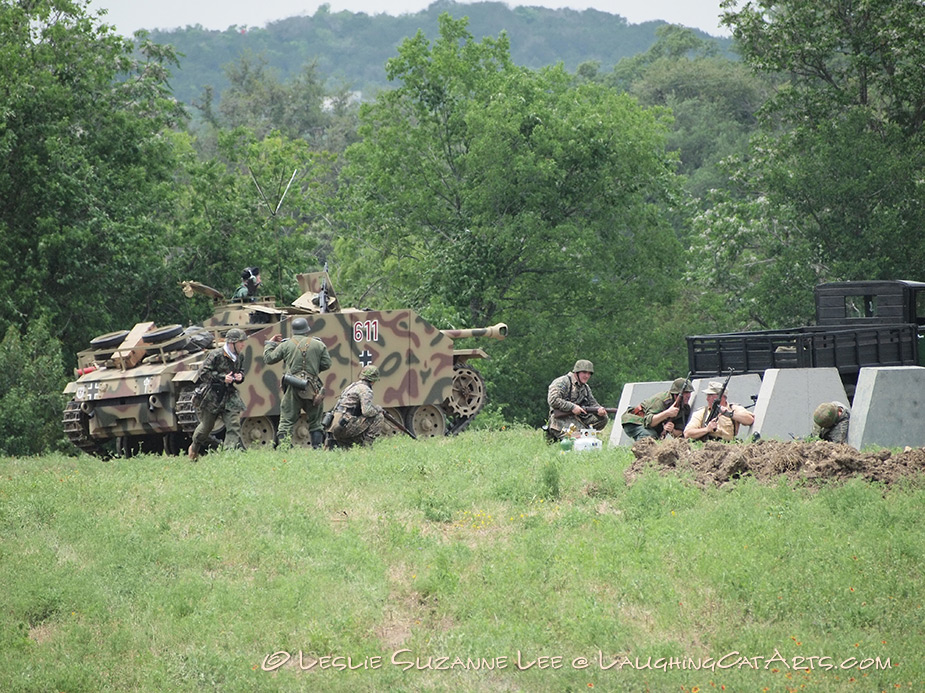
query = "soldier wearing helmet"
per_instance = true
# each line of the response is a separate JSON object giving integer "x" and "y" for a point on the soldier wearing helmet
{"x": 571, "y": 402}
{"x": 830, "y": 422}
{"x": 250, "y": 284}
{"x": 356, "y": 418}
{"x": 305, "y": 357}
{"x": 216, "y": 395}
{"x": 662, "y": 415}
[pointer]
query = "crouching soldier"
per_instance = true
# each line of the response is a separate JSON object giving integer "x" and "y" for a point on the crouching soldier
{"x": 571, "y": 403}
{"x": 830, "y": 422}
{"x": 355, "y": 418}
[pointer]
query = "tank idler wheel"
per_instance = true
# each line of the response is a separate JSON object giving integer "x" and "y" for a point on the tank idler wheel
{"x": 300, "y": 434}
{"x": 468, "y": 395}
{"x": 426, "y": 421}
{"x": 257, "y": 431}
{"x": 389, "y": 430}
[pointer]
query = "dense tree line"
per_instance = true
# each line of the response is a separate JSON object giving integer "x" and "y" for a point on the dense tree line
{"x": 601, "y": 213}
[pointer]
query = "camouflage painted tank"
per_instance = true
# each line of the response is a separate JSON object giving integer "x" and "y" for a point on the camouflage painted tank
{"x": 133, "y": 390}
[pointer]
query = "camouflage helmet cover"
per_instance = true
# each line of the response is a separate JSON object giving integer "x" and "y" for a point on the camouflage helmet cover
{"x": 300, "y": 326}
{"x": 825, "y": 415}
{"x": 583, "y": 365}
{"x": 370, "y": 373}
{"x": 235, "y": 335}
{"x": 680, "y": 384}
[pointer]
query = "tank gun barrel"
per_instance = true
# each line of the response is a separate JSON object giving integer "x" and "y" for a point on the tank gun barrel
{"x": 498, "y": 331}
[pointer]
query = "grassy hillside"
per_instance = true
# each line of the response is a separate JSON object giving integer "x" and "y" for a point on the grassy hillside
{"x": 485, "y": 562}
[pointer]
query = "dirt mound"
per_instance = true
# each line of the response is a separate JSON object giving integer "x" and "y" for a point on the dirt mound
{"x": 811, "y": 463}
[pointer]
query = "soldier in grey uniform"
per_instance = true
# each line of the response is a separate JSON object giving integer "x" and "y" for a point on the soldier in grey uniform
{"x": 356, "y": 419}
{"x": 305, "y": 357}
{"x": 830, "y": 422}
{"x": 216, "y": 395}
{"x": 571, "y": 402}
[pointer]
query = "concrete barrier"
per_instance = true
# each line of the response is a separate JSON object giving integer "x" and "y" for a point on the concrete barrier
{"x": 789, "y": 396}
{"x": 887, "y": 410}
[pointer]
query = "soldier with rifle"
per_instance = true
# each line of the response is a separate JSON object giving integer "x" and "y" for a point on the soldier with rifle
{"x": 216, "y": 395}
{"x": 719, "y": 419}
{"x": 662, "y": 415}
{"x": 571, "y": 402}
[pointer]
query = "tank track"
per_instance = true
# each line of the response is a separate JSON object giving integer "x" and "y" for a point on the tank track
{"x": 76, "y": 428}
{"x": 187, "y": 418}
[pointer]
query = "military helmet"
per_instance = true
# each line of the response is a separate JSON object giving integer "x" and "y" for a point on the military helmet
{"x": 825, "y": 415}
{"x": 583, "y": 365}
{"x": 300, "y": 326}
{"x": 679, "y": 385}
{"x": 370, "y": 373}
{"x": 249, "y": 275}
{"x": 235, "y": 335}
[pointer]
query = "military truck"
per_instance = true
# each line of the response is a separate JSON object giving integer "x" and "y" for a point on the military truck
{"x": 133, "y": 388}
{"x": 858, "y": 323}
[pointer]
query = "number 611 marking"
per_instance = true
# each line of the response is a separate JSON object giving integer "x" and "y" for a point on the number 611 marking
{"x": 367, "y": 331}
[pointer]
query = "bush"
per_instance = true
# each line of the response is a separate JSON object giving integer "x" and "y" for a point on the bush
{"x": 31, "y": 381}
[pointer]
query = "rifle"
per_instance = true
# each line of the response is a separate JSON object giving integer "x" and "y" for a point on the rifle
{"x": 716, "y": 409}
{"x": 392, "y": 420}
{"x": 323, "y": 294}
{"x": 565, "y": 414}
{"x": 679, "y": 403}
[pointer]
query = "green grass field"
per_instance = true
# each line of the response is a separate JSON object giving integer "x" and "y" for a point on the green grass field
{"x": 484, "y": 562}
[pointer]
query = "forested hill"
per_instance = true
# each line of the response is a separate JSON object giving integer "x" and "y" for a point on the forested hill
{"x": 351, "y": 48}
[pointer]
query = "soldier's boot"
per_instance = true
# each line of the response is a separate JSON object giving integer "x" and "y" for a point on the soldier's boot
{"x": 317, "y": 439}
{"x": 193, "y": 453}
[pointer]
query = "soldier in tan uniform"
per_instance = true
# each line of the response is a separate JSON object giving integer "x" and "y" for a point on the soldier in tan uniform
{"x": 356, "y": 418}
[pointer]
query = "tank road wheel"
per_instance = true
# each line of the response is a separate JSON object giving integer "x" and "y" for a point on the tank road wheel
{"x": 300, "y": 433}
{"x": 257, "y": 431}
{"x": 109, "y": 340}
{"x": 77, "y": 429}
{"x": 468, "y": 395}
{"x": 389, "y": 429}
{"x": 426, "y": 421}
{"x": 162, "y": 334}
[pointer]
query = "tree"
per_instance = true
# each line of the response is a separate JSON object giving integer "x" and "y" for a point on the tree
{"x": 835, "y": 174}
{"x": 83, "y": 167}
{"x": 486, "y": 191}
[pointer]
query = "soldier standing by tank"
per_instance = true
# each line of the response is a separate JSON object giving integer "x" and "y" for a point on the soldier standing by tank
{"x": 571, "y": 402}
{"x": 216, "y": 395}
{"x": 306, "y": 357}
{"x": 250, "y": 284}
{"x": 356, "y": 419}
{"x": 661, "y": 415}
{"x": 830, "y": 422}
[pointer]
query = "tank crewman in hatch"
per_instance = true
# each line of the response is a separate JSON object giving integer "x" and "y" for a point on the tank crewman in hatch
{"x": 356, "y": 419}
{"x": 216, "y": 395}
{"x": 723, "y": 427}
{"x": 571, "y": 402}
{"x": 830, "y": 422}
{"x": 250, "y": 284}
{"x": 306, "y": 357}
{"x": 660, "y": 416}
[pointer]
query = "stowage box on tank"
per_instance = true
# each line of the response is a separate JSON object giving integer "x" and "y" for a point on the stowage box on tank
{"x": 133, "y": 390}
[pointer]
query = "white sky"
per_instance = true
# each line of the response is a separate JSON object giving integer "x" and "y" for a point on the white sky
{"x": 130, "y": 15}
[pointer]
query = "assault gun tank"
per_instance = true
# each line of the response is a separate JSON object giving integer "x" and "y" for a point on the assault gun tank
{"x": 133, "y": 388}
